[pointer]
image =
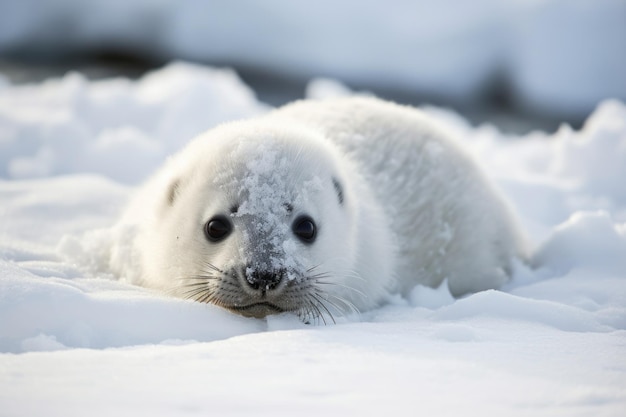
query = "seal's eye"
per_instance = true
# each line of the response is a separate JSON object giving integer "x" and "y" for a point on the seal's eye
{"x": 305, "y": 229}
{"x": 217, "y": 228}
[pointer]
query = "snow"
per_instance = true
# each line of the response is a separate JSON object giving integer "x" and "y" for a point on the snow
{"x": 74, "y": 342}
{"x": 73, "y": 126}
{"x": 557, "y": 57}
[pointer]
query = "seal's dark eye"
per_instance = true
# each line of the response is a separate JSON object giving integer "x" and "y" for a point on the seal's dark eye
{"x": 217, "y": 228}
{"x": 305, "y": 229}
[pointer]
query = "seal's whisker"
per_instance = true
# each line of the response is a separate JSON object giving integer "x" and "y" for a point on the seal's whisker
{"x": 325, "y": 297}
{"x": 205, "y": 298}
{"x": 203, "y": 264}
{"x": 349, "y": 273}
{"x": 313, "y": 313}
{"x": 313, "y": 268}
{"x": 211, "y": 266}
{"x": 316, "y": 309}
{"x": 305, "y": 314}
{"x": 321, "y": 275}
{"x": 188, "y": 290}
{"x": 355, "y": 275}
{"x": 350, "y": 306}
{"x": 309, "y": 314}
{"x": 193, "y": 294}
{"x": 203, "y": 277}
{"x": 321, "y": 304}
{"x": 348, "y": 287}
{"x": 325, "y": 303}
{"x": 189, "y": 297}
{"x": 195, "y": 285}
{"x": 195, "y": 288}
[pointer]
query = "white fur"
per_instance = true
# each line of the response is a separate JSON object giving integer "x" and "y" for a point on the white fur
{"x": 416, "y": 209}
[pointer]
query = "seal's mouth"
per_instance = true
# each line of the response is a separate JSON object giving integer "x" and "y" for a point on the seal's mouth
{"x": 257, "y": 310}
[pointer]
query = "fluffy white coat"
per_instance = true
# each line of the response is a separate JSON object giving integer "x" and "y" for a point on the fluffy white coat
{"x": 395, "y": 200}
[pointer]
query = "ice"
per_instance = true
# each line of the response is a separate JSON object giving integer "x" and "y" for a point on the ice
{"x": 77, "y": 341}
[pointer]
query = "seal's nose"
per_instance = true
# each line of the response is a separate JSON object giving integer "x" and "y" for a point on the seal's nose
{"x": 265, "y": 280}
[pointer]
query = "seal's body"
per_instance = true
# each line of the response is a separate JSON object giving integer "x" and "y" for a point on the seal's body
{"x": 320, "y": 207}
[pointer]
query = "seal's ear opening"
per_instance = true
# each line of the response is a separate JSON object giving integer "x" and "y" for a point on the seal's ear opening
{"x": 338, "y": 190}
{"x": 173, "y": 191}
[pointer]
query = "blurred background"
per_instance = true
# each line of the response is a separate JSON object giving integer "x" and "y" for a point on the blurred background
{"x": 521, "y": 64}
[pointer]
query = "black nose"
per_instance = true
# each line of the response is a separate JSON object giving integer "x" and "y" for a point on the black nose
{"x": 265, "y": 280}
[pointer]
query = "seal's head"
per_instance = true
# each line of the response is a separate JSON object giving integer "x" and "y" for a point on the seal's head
{"x": 259, "y": 220}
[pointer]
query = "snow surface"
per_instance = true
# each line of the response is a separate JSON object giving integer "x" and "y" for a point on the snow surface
{"x": 557, "y": 56}
{"x": 553, "y": 342}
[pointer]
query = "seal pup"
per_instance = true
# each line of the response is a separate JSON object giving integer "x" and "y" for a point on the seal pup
{"x": 319, "y": 208}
